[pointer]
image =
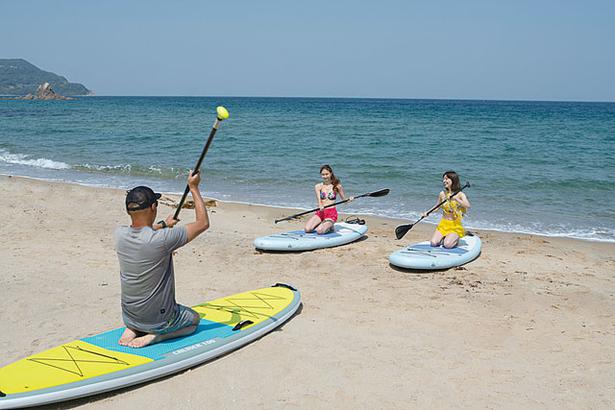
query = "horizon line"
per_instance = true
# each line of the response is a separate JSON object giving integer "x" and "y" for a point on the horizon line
{"x": 353, "y": 98}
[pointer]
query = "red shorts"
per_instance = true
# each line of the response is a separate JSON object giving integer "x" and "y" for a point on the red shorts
{"x": 327, "y": 213}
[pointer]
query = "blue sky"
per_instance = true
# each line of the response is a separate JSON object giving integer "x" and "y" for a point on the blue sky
{"x": 529, "y": 50}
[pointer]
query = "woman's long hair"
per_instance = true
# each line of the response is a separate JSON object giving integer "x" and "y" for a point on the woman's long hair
{"x": 334, "y": 180}
{"x": 452, "y": 175}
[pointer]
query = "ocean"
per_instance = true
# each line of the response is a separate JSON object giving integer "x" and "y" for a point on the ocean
{"x": 544, "y": 168}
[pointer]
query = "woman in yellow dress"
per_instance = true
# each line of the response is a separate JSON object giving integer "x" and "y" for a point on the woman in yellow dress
{"x": 450, "y": 229}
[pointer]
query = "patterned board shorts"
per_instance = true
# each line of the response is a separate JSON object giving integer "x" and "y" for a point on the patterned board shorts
{"x": 183, "y": 318}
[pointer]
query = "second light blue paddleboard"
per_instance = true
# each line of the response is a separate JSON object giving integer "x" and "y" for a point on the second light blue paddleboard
{"x": 423, "y": 256}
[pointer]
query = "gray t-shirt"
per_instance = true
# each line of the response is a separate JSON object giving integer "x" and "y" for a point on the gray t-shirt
{"x": 146, "y": 272}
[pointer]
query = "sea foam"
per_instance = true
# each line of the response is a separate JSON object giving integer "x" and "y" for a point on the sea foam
{"x": 23, "y": 159}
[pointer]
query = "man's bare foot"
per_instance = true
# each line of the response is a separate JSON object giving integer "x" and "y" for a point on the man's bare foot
{"x": 127, "y": 337}
{"x": 142, "y": 341}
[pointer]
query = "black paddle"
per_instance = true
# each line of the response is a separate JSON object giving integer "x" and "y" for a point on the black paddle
{"x": 401, "y": 230}
{"x": 222, "y": 114}
{"x": 382, "y": 192}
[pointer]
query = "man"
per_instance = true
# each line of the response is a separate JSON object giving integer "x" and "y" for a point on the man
{"x": 145, "y": 250}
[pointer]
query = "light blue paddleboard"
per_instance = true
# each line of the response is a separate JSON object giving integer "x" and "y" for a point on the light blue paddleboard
{"x": 423, "y": 256}
{"x": 342, "y": 233}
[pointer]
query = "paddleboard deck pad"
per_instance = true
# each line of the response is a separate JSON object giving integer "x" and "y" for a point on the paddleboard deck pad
{"x": 98, "y": 363}
{"x": 423, "y": 256}
{"x": 342, "y": 234}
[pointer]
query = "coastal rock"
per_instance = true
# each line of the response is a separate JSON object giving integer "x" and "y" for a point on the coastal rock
{"x": 45, "y": 92}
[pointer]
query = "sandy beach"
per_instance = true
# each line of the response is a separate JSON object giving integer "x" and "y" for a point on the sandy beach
{"x": 529, "y": 324}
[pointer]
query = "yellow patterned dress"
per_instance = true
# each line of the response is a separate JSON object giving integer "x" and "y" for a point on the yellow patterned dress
{"x": 456, "y": 211}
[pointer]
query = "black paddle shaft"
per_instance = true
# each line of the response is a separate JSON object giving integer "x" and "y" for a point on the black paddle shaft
{"x": 198, "y": 165}
{"x": 382, "y": 192}
{"x": 401, "y": 230}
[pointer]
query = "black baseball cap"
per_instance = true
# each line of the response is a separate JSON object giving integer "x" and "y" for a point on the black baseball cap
{"x": 140, "y": 197}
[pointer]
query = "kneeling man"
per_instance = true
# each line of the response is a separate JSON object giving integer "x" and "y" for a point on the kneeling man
{"x": 145, "y": 251}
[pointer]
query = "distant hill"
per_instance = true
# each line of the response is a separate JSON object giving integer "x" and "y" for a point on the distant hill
{"x": 19, "y": 77}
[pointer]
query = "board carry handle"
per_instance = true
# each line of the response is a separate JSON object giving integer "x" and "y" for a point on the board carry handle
{"x": 243, "y": 323}
{"x": 284, "y": 285}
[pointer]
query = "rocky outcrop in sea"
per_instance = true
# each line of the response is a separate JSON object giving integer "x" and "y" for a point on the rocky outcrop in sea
{"x": 44, "y": 92}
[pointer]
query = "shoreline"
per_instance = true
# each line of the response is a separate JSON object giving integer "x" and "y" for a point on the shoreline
{"x": 291, "y": 209}
{"x": 529, "y": 323}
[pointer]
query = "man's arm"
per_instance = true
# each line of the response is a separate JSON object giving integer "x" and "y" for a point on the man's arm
{"x": 201, "y": 224}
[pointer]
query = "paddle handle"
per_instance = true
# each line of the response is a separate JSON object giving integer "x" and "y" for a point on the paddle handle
{"x": 197, "y": 166}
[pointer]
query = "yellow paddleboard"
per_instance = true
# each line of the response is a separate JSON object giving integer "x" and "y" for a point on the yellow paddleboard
{"x": 98, "y": 363}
